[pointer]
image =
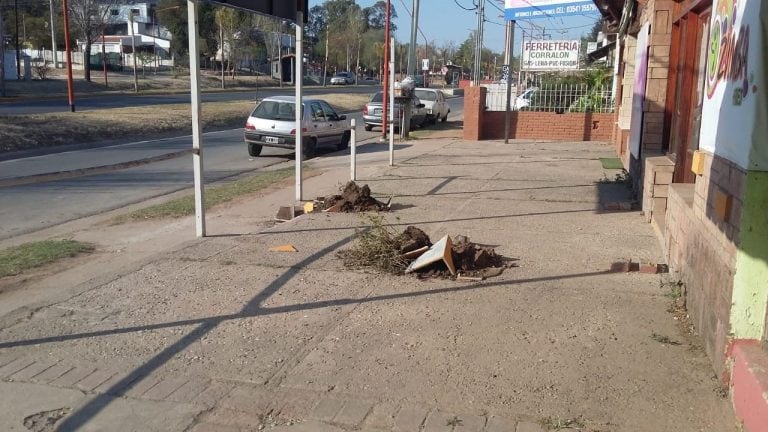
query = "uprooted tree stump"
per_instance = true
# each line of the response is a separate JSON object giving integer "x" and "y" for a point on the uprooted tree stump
{"x": 383, "y": 249}
{"x": 353, "y": 199}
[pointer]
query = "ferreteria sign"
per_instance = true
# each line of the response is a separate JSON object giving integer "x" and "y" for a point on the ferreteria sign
{"x": 546, "y": 55}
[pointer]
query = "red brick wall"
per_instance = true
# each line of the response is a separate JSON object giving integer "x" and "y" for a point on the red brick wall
{"x": 549, "y": 126}
{"x": 481, "y": 124}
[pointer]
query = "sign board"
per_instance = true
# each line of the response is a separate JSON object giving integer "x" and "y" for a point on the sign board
{"x": 425, "y": 64}
{"x": 591, "y": 46}
{"x": 532, "y": 9}
{"x": 550, "y": 55}
{"x": 504, "y": 74}
{"x": 285, "y": 9}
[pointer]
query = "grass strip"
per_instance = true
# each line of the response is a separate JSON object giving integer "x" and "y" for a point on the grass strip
{"x": 15, "y": 260}
{"x": 611, "y": 163}
{"x": 214, "y": 195}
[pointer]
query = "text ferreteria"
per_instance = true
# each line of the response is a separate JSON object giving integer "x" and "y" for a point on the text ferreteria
{"x": 552, "y": 46}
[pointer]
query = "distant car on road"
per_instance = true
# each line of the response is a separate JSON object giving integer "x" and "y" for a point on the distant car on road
{"x": 372, "y": 112}
{"x": 273, "y": 124}
{"x": 343, "y": 78}
{"x": 435, "y": 104}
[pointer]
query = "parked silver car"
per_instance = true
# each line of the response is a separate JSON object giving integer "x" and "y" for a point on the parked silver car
{"x": 435, "y": 104}
{"x": 373, "y": 109}
{"x": 343, "y": 78}
{"x": 273, "y": 124}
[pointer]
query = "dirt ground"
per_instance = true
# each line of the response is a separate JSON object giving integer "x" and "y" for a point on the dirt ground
{"x": 555, "y": 340}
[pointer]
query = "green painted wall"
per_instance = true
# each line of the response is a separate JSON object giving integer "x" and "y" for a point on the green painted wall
{"x": 750, "y": 285}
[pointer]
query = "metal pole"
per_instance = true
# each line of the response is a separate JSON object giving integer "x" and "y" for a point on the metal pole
{"x": 68, "y": 48}
{"x": 392, "y": 105}
{"x": 385, "y": 78}
{"x": 18, "y": 52}
{"x": 325, "y": 65}
{"x": 53, "y": 38}
{"x": 133, "y": 53}
{"x": 2, "y": 56}
{"x": 104, "y": 58}
{"x": 197, "y": 135}
{"x": 299, "y": 101}
{"x": 510, "y": 45}
{"x": 221, "y": 46}
{"x": 353, "y": 151}
{"x": 412, "y": 43}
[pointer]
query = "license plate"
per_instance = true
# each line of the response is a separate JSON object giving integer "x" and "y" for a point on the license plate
{"x": 377, "y": 111}
{"x": 271, "y": 140}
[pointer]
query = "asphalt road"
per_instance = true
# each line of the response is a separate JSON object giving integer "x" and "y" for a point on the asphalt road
{"x": 32, "y": 207}
{"x": 60, "y": 104}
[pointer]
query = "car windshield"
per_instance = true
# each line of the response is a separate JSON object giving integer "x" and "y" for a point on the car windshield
{"x": 377, "y": 97}
{"x": 275, "y": 110}
{"x": 341, "y": 75}
{"x": 426, "y": 95}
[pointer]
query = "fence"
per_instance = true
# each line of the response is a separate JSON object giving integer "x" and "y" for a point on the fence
{"x": 552, "y": 97}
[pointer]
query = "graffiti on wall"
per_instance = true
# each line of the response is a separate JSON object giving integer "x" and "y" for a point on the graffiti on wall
{"x": 729, "y": 52}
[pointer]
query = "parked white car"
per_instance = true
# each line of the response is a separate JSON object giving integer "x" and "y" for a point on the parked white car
{"x": 435, "y": 103}
{"x": 273, "y": 124}
{"x": 343, "y": 78}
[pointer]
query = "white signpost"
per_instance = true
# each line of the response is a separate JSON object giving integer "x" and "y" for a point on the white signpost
{"x": 425, "y": 64}
{"x": 550, "y": 55}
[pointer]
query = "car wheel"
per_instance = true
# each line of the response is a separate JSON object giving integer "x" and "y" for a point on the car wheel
{"x": 254, "y": 149}
{"x": 344, "y": 141}
{"x": 445, "y": 117}
{"x": 308, "y": 147}
{"x": 368, "y": 128}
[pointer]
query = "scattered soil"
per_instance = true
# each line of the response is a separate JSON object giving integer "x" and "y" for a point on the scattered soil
{"x": 354, "y": 199}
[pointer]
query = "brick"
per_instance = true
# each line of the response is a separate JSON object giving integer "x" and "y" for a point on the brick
{"x": 438, "y": 421}
{"x": 382, "y": 416}
{"x": 164, "y": 388}
{"x": 140, "y": 386}
{"x": 326, "y": 409}
{"x": 410, "y": 418}
{"x": 190, "y": 390}
{"x": 353, "y": 412}
{"x": 96, "y": 379}
{"x": 215, "y": 392}
{"x": 72, "y": 377}
{"x": 52, "y": 373}
{"x": 500, "y": 424}
{"x": 472, "y": 423}
{"x": 250, "y": 399}
{"x": 14, "y": 366}
{"x": 33, "y": 370}
{"x": 530, "y": 427}
{"x": 115, "y": 385}
{"x": 210, "y": 427}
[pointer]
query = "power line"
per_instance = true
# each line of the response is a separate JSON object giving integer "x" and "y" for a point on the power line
{"x": 466, "y": 9}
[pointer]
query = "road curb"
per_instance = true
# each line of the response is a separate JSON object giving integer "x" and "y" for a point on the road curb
{"x": 81, "y": 172}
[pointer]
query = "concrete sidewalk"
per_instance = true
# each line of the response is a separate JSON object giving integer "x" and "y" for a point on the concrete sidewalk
{"x": 222, "y": 335}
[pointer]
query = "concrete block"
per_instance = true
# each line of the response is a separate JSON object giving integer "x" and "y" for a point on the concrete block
{"x": 326, "y": 409}
{"x": 661, "y": 191}
{"x": 382, "y": 416}
{"x": 164, "y": 388}
{"x": 74, "y": 376}
{"x": 33, "y": 370}
{"x": 410, "y": 419}
{"x": 722, "y": 204}
{"x": 95, "y": 379}
{"x": 190, "y": 390}
{"x": 52, "y": 373}
{"x": 140, "y": 386}
{"x": 14, "y": 366}
{"x": 663, "y": 178}
{"x": 353, "y": 412}
{"x": 215, "y": 392}
{"x": 500, "y": 424}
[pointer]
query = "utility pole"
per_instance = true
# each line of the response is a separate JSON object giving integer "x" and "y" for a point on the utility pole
{"x": 407, "y": 104}
{"x": 2, "y": 55}
{"x": 325, "y": 65}
{"x": 479, "y": 41}
{"x": 133, "y": 53}
{"x": 510, "y": 46}
{"x": 18, "y": 51}
{"x": 197, "y": 129}
{"x": 385, "y": 78}
{"x": 53, "y": 38}
{"x": 68, "y": 48}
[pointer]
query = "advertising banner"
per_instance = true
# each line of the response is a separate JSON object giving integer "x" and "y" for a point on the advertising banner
{"x": 531, "y": 9}
{"x": 550, "y": 55}
{"x": 735, "y": 108}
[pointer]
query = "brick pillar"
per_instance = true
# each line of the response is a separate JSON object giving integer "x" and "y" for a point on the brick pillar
{"x": 474, "y": 108}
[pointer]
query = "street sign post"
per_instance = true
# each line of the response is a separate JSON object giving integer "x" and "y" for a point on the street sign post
{"x": 425, "y": 64}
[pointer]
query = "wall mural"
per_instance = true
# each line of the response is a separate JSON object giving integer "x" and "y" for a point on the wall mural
{"x": 729, "y": 53}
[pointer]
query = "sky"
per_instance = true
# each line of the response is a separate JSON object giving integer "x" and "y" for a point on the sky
{"x": 444, "y": 20}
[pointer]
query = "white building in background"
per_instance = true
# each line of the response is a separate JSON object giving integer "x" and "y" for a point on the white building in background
{"x": 137, "y": 20}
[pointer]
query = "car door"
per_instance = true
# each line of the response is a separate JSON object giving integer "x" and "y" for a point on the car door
{"x": 319, "y": 122}
{"x": 336, "y": 126}
{"x": 443, "y": 104}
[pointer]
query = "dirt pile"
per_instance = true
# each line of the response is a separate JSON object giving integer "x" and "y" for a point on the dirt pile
{"x": 353, "y": 199}
{"x": 385, "y": 250}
